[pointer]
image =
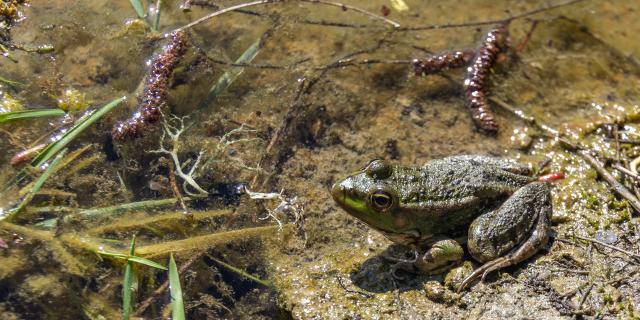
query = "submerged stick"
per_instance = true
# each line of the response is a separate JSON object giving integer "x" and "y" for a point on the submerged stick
{"x": 242, "y": 273}
{"x": 606, "y": 245}
{"x": 490, "y": 22}
{"x": 260, "y": 2}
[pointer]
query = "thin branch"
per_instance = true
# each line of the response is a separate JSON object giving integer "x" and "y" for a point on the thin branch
{"x": 579, "y": 310}
{"x": 618, "y": 187}
{"x": 628, "y": 253}
{"x": 489, "y": 22}
{"x": 344, "y": 7}
{"x": 352, "y": 62}
{"x": 261, "y": 2}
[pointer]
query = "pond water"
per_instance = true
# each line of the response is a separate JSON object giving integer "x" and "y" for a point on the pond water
{"x": 254, "y": 114}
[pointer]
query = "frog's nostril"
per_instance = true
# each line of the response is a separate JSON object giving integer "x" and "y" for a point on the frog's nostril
{"x": 338, "y": 192}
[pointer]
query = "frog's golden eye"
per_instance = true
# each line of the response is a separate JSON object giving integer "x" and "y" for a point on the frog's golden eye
{"x": 381, "y": 200}
{"x": 378, "y": 169}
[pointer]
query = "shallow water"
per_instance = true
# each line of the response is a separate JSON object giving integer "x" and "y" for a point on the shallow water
{"x": 579, "y": 72}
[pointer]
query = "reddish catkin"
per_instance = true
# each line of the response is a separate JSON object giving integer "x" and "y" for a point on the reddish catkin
{"x": 441, "y": 62}
{"x": 154, "y": 94}
{"x": 477, "y": 76}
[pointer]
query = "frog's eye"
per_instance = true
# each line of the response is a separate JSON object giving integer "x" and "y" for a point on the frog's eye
{"x": 378, "y": 169}
{"x": 381, "y": 200}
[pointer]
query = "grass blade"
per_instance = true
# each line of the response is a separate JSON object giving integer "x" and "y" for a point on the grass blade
{"x": 147, "y": 262}
{"x": 29, "y": 114}
{"x": 14, "y": 84}
{"x": 204, "y": 241}
{"x": 135, "y": 259}
{"x": 229, "y": 76}
{"x": 137, "y": 5}
{"x": 36, "y": 186}
{"x": 177, "y": 304}
{"x": 127, "y": 282}
{"x": 156, "y": 24}
{"x": 54, "y": 147}
{"x": 121, "y": 208}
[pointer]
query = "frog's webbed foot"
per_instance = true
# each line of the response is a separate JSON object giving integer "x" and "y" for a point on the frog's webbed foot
{"x": 489, "y": 235}
{"x": 442, "y": 255}
{"x": 407, "y": 265}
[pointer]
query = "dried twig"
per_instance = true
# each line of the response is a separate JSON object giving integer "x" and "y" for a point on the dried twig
{"x": 261, "y": 2}
{"x": 628, "y": 253}
{"x": 489, "y": 22}
{"x": 579, "y": 310}
{"x": 618, "y": 187}
{"x": 175, "y": 189}
{"x": 344, "y": 287}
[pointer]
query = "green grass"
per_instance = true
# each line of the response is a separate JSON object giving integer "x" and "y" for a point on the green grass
{"x": 30, "y": 114}
{"x": 138, "y": 7}
{"x": 131, "y": 257}
{"x": 127, "y": 290}
{"x": 14, "y": 84}
{"x": 232, "y": 74}
{"x": 35, "y": 187}
{"x": 53, "y": 148}
{"x": 127, "y": 283}
{"x": 177, "y": 304}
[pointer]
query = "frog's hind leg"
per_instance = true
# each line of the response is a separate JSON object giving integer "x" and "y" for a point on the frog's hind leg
{"x": 493, "y": 237}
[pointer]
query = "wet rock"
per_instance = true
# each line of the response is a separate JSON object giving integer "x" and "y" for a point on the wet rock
{"x": 434, "y": 291}
{"x": 455, "y": 276}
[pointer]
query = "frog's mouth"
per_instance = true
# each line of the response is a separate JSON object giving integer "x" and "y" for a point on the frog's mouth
{"x": 356, "y": 205}
{"x": 347, "y": 199}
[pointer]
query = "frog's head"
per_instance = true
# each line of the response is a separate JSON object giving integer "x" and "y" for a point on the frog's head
{"x": 371, "y": 195}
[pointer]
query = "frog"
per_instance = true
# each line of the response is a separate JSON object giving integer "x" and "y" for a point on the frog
{"x": 495, "y": 206}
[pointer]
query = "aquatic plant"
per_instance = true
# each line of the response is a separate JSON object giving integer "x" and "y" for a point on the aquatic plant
{"x": 65, "y": 138}
{"x": 177, "y": 304}
{"x": 29, "y": 114}
{"x": 154, "y": 93}
{"x": 34, "y": 188}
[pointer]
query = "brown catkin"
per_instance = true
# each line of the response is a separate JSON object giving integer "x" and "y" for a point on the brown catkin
{"x": 477, "y": 76}
{"x": 441, "y": 62}
{"x": 155, "y": 89}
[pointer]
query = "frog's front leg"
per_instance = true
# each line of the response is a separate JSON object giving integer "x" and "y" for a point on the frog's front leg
{"x": 441, "y": 256}
{"x": 511, "y": 233}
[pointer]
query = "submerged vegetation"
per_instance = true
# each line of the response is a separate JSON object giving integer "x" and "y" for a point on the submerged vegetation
{"x": 211, "y": 200}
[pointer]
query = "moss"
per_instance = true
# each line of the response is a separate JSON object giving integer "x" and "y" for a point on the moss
{"x": 39, "y": 286}
{"x": 11, "y": 265}
{"x": 73, "y": 100}
{"x": 9, "y": 104}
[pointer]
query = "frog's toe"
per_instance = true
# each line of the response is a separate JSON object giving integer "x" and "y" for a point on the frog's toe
{"x": 387, "y": 256}
{"x": 485, "y": 270}
{"x": 404, "y": 266}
